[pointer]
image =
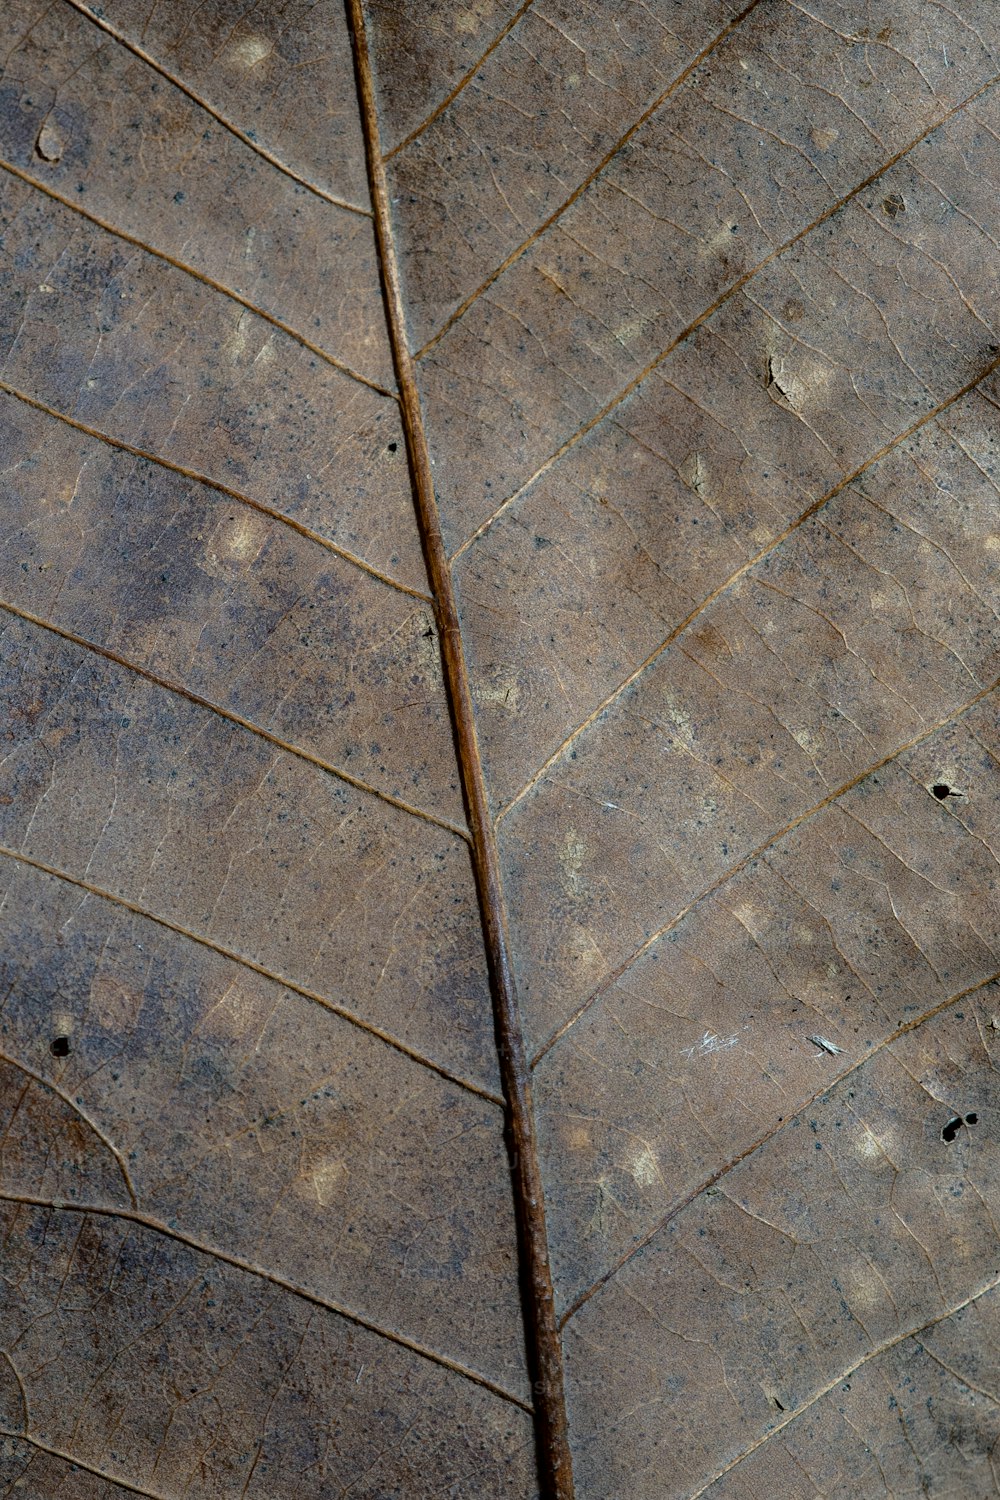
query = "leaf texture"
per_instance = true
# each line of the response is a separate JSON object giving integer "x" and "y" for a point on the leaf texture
{"x": 499, "y": 810}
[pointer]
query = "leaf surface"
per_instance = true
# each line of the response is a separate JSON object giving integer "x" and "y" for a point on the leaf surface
{"x": 498, "y": 823}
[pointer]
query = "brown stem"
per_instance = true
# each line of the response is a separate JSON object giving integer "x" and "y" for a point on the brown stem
{"x": 544, "y": 1347}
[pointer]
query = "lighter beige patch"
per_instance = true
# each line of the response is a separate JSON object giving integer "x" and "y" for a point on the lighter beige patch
{"x": 503, "y": 689}
{"x": 675, "y": 712}
{"x": 113, "y": 1006}
{"x": 571, "y": 859}
{"x": 250, "y": 50}
{"x": 750, "y": 917}
{"x": 643, "y": 1167}
{"x": 580, "y": 947}
{"x": 796, "y": 382}
{"x": 233, "y": 544}
{"x": 328, "y": 1179}
{"x": 232, "y": 1017}
{"x": 694, "y": 473}
{"x": 808, "y": 740}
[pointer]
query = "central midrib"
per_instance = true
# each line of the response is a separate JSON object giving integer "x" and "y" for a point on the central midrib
{"x": 541, "y": 1329}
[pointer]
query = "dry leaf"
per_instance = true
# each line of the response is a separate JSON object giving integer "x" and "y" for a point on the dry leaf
{"x": 499, "y": 805}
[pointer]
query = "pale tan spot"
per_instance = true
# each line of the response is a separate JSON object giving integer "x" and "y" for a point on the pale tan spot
{"x": 571, "y": 857}
{"x": 250, "y": 50}
{"x": 643, "y": 1166}
{"x": 233, "y": 544}
{"x": 675, "y": 712}
{"x": 796, "y": 382}
{"x": 233, "y": 1016}
{"x": 808, "y": 740}
{"x": 113, "y": 1006}
{"x": 694, "y": 473}
{"x": 502, "y": 689}
{"x": 63, "y": 1023}
{"x": 328, "y": 1179}
{"x": 580, "y": 948}
{"x": 750, "y": 917}
{"x": 626, "y": 332}
{"x": 49, "y": 145}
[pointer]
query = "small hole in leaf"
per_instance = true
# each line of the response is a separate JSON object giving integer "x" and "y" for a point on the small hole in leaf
{"x": 59, "y": 1046}
{"x": 940, "y": 790}
{"x": 777, "y": 1403}
{"x": 951, "y": 1129}
{"x": 972, "y": 1119}
{"x": 393, "y": 447}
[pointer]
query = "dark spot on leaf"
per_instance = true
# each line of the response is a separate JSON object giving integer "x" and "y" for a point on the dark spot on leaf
{"x": 893, "y": 205}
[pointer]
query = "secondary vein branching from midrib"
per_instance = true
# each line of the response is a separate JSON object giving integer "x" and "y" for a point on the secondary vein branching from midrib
{"x": 19, "y": 856}
{"x": 147, "y": 248}
{"x": 726, "y": 295}
{"x": 741, "y": 572}
{"x": 757, "y": 853}
{"x": 779, "y": 1128}
{"x": 92, "y": 16}
{"x": 557, "y": 213}
{"x": 283, "y": 518}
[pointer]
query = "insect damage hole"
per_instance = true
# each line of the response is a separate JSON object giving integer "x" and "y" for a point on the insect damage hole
{"x": 60, "y": 1046}
{"x": 955, "y": 1124}
{"x": 941, "y": 790}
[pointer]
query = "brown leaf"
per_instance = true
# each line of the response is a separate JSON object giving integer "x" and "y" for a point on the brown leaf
{"x": 498, "y": 819}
